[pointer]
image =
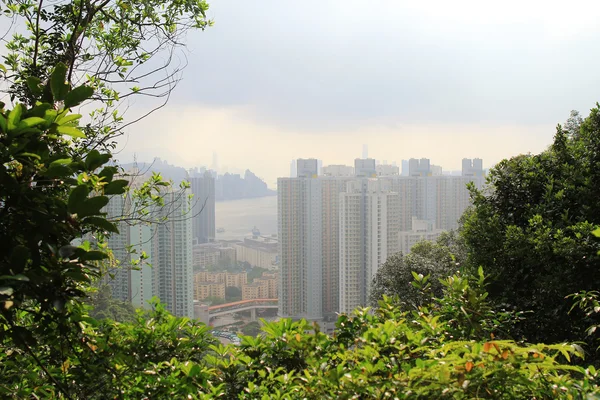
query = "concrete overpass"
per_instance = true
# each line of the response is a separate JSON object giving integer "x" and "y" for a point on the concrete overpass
{"x": 244, "y": 305}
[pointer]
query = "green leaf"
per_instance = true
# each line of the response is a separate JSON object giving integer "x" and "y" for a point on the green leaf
{"x": 3, "y": 124}
{"x": 92, "y": 206}
{"x": 596, "y": 232}
{"x": 33, "y": 83}
{"x": 6, "y": 291}
{"x": 95, "y": 159}
{"x": 58, "y": 171}
{"x": 31, "y": 155}
{"x": 107, "y": 173}
{"x": 78, "y": 95}
{"x": 58, "y": 82}
{"x": 77, "y": 198}
{"x": 29, "y": 123}
{"x": 61, "y": 161}
{"x": 116, "y": 187}
{"x": 14, "y": 117}
{"x": 67, "y": 118}
{"x": 18, "y": 277}
{"x": 101, "y": 223}
{"x": 70, "y": 131}
{"x": 93, "y": 255}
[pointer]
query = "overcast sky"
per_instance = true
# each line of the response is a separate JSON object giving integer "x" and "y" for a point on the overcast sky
{"x": 275, "y": 80}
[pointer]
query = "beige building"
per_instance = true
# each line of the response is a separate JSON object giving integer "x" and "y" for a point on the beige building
{"x": 202, "y": 290}
{"x": 227, "y": 278}
{"x": 369, "y": 225}
{"x": 209, "y": 254}
{"x": 264, "y": 287}
{"x": 258, "y": 251}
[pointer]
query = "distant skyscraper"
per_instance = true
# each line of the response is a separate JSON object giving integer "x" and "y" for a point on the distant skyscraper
{"x": 172, "y": 265}
{"x": 168, "y": 267}
{"x": 387, "y": 170}
{"x": 336, "y": 230}
{"x": 307, "y": 168}
{"x": 365, "y": 152}
{"x": 308, "y": 221}
{"x": 203, "y": 211}
{"x": 119, "y": 277}
{"x": 405, "y": 171}
{"x": 293, "y": 169}
{"x": 369, "y": 225}
{"x": 472, "y": 167}
{"x": 215, "y": 162}
{"x": 365, "y": 168}
{"x": 420, "y": 167}
{"x": 338, "y": 170}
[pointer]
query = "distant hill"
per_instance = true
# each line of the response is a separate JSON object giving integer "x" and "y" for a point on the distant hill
{"x": 227, "y": 187}
{"x": 233, "y": 187}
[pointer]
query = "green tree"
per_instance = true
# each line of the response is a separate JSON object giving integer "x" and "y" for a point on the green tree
{"x": 104, "y": 306}
{"x": 233, "y": 293}
{"x": 532, "y": 229}
{"x": 55, "y": 176}
{"x": 251, "y": 329}
{"x": 436, "y": 260}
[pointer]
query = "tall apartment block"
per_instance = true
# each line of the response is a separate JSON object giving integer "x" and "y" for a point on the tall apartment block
{"x": 336, "y": 230}
{"x": 167, "y": 271}
{"x": 308, "y": 243}
{"x": 119, "y": 277}
{"x": 203, "y": 211}
{"x": 369, "y": 226}
{"x": 172, "y": 278}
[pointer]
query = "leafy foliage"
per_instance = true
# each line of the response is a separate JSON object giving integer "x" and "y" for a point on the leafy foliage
{"x": 157, "y": 355}
{"x": 104, "y": 306}
{"x": 532, "y": 229}
{"x": 50, "y": 195}
{"x": 396, "y": 277}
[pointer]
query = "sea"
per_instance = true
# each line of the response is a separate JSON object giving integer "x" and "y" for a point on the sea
{"x": 239, "y": 217}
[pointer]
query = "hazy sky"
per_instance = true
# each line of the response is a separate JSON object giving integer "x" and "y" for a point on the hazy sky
{"x": 275, "y": 80}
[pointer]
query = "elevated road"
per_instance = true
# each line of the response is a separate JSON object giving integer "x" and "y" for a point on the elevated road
{"x": 244, "y": 305}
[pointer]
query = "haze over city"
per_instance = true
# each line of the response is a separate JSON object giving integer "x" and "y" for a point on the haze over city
{"x": 320, "y": 78}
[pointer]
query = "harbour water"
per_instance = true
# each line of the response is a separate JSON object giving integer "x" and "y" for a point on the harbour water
{"x": 238, "y": 217}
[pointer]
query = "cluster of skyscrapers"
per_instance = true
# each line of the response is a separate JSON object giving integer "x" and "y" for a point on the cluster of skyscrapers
{"x": 337, "y": 224}
{"x": 166, "y": 241}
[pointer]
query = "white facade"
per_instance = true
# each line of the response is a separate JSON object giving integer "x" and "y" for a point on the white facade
{"x": 387, "y": 170}
{"x": 338, "y": 170}
{"x": 308, "y": 245}
{"x": 369, "y": 223}
{"x": 172, "y": 279}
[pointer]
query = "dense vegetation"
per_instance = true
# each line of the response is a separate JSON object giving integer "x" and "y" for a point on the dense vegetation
{"x": 447, "y": 335}
{"x": 532, "y": 229}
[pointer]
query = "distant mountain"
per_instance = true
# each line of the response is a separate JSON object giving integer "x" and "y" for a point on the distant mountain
{"x": 227, "y": 187}
{"x": 233, "y": 187}
{"x": 168, "y": 171}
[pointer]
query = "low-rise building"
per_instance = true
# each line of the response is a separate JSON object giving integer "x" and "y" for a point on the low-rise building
{"x": 236, "y": 279}
{"x": 202, "y": 290}
{"x": 208, "y": 254}
{"x": 264, "y": 287}
{"x": 258, "y": 251}
{"x": 254, "y": 290}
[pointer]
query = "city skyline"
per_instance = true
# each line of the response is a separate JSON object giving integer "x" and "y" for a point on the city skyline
{"x": 337, "y": 228}
{"x": 444, "y": 82}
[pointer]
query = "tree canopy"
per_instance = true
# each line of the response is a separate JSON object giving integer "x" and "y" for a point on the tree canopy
{"x": 531, "y": 228}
